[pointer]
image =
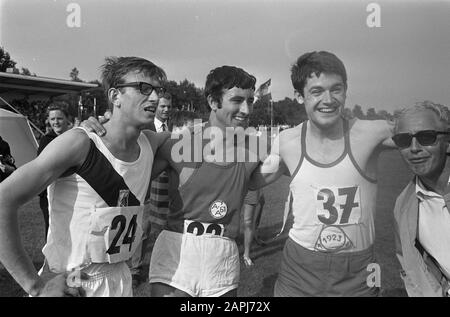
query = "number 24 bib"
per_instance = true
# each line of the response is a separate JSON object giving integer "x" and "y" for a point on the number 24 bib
{"x": 115, "y": 233}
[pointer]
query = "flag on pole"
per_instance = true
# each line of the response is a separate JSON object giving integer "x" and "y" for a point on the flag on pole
{"x": 264, "y": 90}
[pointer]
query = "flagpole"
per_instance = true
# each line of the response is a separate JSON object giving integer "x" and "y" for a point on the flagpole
{"x": 271, "y": 113}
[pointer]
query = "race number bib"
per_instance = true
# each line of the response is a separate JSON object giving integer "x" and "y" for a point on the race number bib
{"x": 338, "y": 206}
{"x": 201, "y": 228}
{"x": 115, "y": 234}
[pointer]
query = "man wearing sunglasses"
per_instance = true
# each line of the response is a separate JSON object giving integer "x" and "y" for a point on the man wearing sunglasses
{"x": 96, "y": 190}
{"x": 421, "y": 211}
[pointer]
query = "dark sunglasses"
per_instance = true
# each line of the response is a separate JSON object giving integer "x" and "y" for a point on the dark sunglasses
{"x": 144, "y": 88}
{"x": 424, "y": 137}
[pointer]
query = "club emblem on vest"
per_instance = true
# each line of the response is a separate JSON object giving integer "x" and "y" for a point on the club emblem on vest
{"x": 333, "y": 239}
{"x": 218, "y": 209}
{"x": 123, "y": 198}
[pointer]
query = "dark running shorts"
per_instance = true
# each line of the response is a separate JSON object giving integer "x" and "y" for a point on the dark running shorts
{"x": 310, "y": 273}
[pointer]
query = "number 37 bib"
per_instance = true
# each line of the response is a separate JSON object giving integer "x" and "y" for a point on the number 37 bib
{"x": 115, "y": 233}
{"x": 336, "y": 208}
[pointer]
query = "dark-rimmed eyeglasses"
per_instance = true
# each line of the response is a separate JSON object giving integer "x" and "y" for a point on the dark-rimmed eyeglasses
{"x": 424, "y": 137}
{"x": 145, "y": 88}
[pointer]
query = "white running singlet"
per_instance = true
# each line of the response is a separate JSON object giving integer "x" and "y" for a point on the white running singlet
{"x": 96, "y": 212}
{"x": 333, "y": 204}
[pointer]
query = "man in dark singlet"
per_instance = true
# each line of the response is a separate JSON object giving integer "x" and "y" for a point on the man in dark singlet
{"x": 197, "y": 254}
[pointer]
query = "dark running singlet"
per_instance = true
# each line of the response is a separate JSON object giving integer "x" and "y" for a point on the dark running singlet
{"x": 213, "y": 195}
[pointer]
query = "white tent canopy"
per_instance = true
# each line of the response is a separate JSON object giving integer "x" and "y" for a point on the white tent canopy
{"x": 15, "y": 130}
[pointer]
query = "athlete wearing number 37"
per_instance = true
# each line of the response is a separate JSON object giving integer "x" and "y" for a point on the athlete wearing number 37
{"x": 332, "y": 162}
{"x": 96, "y": 195}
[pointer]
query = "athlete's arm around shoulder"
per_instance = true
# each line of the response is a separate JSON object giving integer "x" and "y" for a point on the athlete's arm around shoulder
{"x": 66, "y": 151}
{"x": 275, "y": 164}
{"x": 381, "y": 131}
{"x": 159, "y": 142}
{"x": 156, "y": 139}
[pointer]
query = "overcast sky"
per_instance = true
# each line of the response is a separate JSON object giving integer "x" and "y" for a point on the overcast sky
{"x": 405, "y": 60}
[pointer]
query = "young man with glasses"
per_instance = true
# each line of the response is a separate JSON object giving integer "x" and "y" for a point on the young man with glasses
{"x": 421, "y": 211}
{"x": 97, "y": 187}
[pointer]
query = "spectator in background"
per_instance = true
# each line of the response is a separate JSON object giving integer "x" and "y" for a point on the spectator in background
{"x": 58, "y": 120}
{"x": 421, "y": 211}
{"x": 6, "y": 160}
{"x": 163, "y": 112}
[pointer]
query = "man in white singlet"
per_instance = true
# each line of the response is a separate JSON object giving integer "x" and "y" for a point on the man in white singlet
{"x": 97, "y": 186}
{"x": 332, "y": 165}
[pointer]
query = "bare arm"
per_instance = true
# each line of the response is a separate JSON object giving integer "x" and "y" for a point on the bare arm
{"x": 387, "y": 131}
{"x": 159, "y": 165}
{"x": 270, "y": 169}
{"x": 66, "y": 151}
{"x": 159, "y": 147}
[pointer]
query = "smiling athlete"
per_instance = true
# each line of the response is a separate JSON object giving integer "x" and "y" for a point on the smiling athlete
{"x": 332, "y": 164}
{"x": 196, "y": 254}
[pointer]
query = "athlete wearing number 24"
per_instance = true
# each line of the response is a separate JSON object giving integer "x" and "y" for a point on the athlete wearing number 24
{"x": 332, "y": 165}
{"x": 97, "y": 187}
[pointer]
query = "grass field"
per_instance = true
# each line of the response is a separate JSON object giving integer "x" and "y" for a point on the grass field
{"x": 258, "y": 281}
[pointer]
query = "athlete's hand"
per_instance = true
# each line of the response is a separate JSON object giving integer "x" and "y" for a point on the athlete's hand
{"x": 247, "y": 261}
{"x": 94, "y": 125}
{"x": 60, "y": 285}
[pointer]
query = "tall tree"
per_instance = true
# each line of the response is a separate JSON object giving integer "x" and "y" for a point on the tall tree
{"x": 371, "y": 114}
{"x": 185, "y": 95}
{"x": 5, "y": 60}
{"x": 74, "y": 75}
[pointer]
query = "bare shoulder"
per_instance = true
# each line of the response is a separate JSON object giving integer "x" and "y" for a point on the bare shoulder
{"x": 73, "y": 139}
{"x": 287, "y": 138}
{"x": 292, "y": 133}
{"x": 156, "y": 139}
{"x": 69, "y": 148}
{"x": 378, "y": 129}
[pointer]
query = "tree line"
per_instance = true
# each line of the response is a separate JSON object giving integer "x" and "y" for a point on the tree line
{"x": 186, "y": 96}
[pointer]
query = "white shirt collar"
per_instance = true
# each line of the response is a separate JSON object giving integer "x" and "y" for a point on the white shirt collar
{"x": 422, "y": 192}
{"x": 158, "y": 124}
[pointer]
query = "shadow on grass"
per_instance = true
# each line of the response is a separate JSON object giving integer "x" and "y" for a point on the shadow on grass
{"x": 267, "y": 287}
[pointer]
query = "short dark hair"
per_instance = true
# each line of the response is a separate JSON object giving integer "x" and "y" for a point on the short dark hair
{"x": 181, "y": 117}
{"x": 227, "y": 77}
{"x": 58, "y": 105}
{"x": 115, "y": 68}
{"x": 317, "y": 63}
